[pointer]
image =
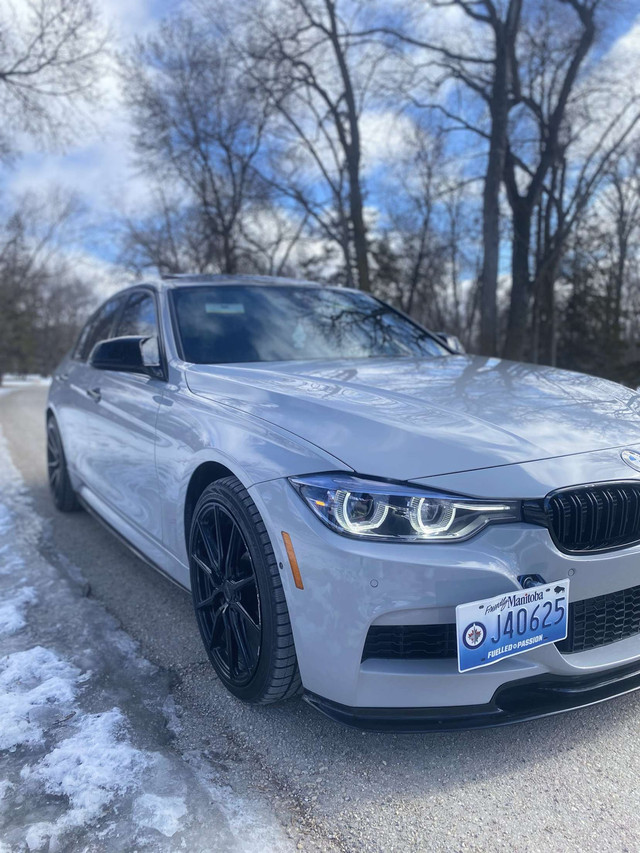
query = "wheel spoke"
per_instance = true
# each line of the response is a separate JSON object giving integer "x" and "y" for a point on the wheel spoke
{"x": 240, "y": 639}
{"x": 207, "y": 602}
{"x": 240, "y": 584}
{"x": 215, "y": 615}
{"x": 251, "y": 624}
{"x": 211, "y": 549}
{"x": 231, "y": 655}
{"x": 232, "y": 544}
{"x": 52, "y": 444}
{"x": 218, "y": 535}
{"x": 205, "y": 568}
{"x": 54, "y": 461}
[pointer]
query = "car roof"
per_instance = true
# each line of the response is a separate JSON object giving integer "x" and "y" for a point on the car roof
{"x": 193, "y": 279}
{"x": 175, "y": 282}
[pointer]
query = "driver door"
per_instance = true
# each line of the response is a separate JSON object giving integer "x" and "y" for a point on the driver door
{"x": 123, "y": 470}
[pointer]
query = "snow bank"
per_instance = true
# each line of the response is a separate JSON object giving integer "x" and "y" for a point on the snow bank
{"x": 87, "y": 760}
{"x": 33, "y": 684}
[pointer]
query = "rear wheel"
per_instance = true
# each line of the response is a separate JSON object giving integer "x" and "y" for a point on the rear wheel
{"x": 238, "y": 597}
{"x": 64, "y": 497}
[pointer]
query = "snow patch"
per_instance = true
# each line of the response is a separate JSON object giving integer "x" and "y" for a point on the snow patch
{"x": 6, "y": 520}
{"x": 170, "y": 713}
{"x": 35, "y": 686}
{"x": 10, "y": 562}
{"x": 90, "y": 768}
{"x": 12, "y": 610}
{"x": 163, "y": 814}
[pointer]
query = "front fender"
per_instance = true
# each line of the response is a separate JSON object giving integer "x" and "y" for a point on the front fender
{"x": 192, "y": 430}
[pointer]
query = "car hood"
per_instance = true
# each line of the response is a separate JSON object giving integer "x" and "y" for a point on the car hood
{"x": 410, "y": 418}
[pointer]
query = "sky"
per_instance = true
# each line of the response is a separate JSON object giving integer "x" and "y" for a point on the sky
{"x": 97, "y": 162}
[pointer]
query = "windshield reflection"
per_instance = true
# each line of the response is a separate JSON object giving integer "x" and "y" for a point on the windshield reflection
{"x": 239, "y": 324}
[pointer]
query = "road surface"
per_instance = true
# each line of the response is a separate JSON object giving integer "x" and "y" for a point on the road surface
{"x": 560, "y": 784}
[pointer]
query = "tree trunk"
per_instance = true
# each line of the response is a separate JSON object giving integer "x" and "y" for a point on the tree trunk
{"x": 547, "y": 313}
{"x": 620, "y": 275}
{"x": 352, "y": 149}
{"x": 505, "y": 36}
{"x": 514, "y": 347}
{"x": 491, "y": 208}
{"x": 230, "y": 264}
{"x": 360, "y": 245}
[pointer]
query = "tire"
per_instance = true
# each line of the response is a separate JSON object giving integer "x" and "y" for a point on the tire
{"x": 238, "y": 597}
{"x": 64, "y": 497}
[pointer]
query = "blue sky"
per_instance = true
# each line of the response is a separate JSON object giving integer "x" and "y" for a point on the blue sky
{"x": 97, "y": 161}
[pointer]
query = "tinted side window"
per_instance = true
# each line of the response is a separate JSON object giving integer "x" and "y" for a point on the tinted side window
{"x": 139, "y": 317}
{"x": 97, "y": 329}
{"x": 82, "y": 340}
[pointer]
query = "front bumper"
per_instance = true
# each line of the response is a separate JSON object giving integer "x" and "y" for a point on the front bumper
{"x": 514, "y": 702}
{"x": 352, "y": 585}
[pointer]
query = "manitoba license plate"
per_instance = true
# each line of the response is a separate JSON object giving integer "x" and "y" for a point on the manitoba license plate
{"x": 507, "y": 625}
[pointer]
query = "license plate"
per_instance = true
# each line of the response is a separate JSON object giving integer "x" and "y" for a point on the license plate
{"x": 510, "y": 624}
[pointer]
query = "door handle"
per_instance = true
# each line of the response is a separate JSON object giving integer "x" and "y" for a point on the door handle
{"x": 95, "y": 394}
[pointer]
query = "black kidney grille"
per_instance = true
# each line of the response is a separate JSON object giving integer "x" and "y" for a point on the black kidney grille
{"x": 595, "y": 518}
{"x": 410, "y": 641}
{"x": 602, "y": 620}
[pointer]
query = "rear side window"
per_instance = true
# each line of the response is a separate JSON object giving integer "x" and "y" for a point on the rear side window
{"x": 98, "y": 329}
{"x": 138, "y": 317}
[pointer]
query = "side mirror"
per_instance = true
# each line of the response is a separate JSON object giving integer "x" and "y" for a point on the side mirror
{"x": 452, "y": 342}
{"x": 128, "y": 354}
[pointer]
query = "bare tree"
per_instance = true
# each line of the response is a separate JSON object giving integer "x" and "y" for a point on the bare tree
{"x": 199, "y": 125}
{"x": 419, "y": 259}
{"x": 42, "y": 298}
{"x": 485, "y": 72}
{"x": 621, "y": 202}
{"x": 605, "y": 175}
{"x": 492, "y": 79}
{"x": 528, "y": 75}
{"x": 49, "y": 59}
{"x": 318, "y": 76}
{"x": 542, "y": 86}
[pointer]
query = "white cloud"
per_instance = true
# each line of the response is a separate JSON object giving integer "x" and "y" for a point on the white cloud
{"x": 386, "y": 138}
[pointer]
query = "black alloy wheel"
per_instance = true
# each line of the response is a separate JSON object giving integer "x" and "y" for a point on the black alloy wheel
{"x": 227, "y": 595}
{"x": 238, "y": 597}
{"x": 64, "y": 497}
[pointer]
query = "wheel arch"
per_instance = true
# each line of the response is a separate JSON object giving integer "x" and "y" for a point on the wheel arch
{"x": 202, "y": 476}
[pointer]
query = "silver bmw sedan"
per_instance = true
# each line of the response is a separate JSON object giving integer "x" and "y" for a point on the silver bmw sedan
{"x": 411, "y": 537}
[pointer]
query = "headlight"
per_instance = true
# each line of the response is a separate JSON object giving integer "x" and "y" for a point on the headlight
{"x": 372, "y": 509}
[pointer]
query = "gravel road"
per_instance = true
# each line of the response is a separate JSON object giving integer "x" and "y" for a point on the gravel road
{"x": 560, "y": 784}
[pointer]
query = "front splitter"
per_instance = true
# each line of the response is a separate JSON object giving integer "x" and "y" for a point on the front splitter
{"x": 515, "y": 702}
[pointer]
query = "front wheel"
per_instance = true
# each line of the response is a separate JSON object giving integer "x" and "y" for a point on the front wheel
{"x": 238, "y": 597}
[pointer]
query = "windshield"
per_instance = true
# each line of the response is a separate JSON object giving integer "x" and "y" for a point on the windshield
{"x": 231, "y": 324}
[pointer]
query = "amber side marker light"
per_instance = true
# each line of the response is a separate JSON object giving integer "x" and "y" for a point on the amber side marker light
{"x": 293, "y": 562}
